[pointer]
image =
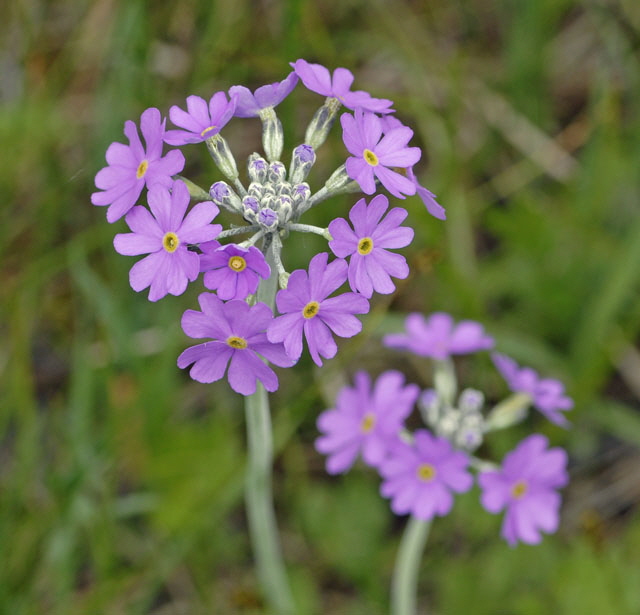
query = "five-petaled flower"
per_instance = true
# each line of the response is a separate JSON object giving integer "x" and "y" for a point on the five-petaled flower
{"x": 232, "y": 271}
{"x": 547, "y": 394}
{"x": 317, "y": 78}
{"x": 238, "y": 339}
{"x": 164, "y": 236}
{"x": 420, "y": 477}
{"x": 307, "y": 310}
{"x": 373, "y": 153}
{"x": 132, "y": 167}
{"x": 438, "y": 337}
{"x": 251, "y": 104}
{"x": 371, "y": 265}
{"x": 201, "y": 120}
{"x": 365, "y": 421}
{"x": 527, "y": 487}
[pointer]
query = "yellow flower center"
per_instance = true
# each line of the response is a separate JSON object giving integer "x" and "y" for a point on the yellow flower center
{"x": 426, "y": 472}
{"x": 170, "y": 242}
{"x": 370, "y": 157}
{"x": 142, "y": 169}
{"x": 206, "y": 130}
{"x": 519, "y": 489}
{"x": 237, "y": 264}
{"x": 237, "y": 342}
{"x": 365, "y": 245}
{"x": 368, "y": 422}
{"x": 311, "y": 309}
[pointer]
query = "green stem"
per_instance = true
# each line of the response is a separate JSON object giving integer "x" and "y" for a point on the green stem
{"x": 444, "y": 380}
{"x": 259, "y": 501}
{"x": 404, "y": 584}
{"x": 258, "y": 494}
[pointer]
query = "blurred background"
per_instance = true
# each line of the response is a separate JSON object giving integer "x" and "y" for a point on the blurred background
{"x": 121, "y": 479}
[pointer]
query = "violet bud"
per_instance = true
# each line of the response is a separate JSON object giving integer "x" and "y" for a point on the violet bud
{"x": 302, "y": 159}
{"x": 268, "y": 218}
{"x": 257, "y": 167}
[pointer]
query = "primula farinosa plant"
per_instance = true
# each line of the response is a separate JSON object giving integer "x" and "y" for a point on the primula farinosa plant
{"x": 255, "y": 313}
{"x": 422, "y": 470}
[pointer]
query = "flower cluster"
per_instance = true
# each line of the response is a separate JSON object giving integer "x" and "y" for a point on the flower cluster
{"x": 421, "y": 470}
{"x": 239, "y": 316}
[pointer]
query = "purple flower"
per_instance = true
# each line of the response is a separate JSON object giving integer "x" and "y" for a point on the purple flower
{"x": 371, "y": 265}
{"x": 365, "y": 421}
{"x": 428, "y": 198}
{"x": 419, "y": 478}
{"x": 232, "y": 271}
{"x": 132, "y": 167}
{"x": 437, "y": 337}
{"x": 200, "y": 121}
{"x": 238, "y": 336}
{"x": 306, "y": 310}
{"x": 318, "y": 79}
{"x": 164, "y": 237}
{"x": 526, "y": 486}
{"x": 547, "y": 394}
{"x": 250, "y": 105}
{"x": 374, "y": 153}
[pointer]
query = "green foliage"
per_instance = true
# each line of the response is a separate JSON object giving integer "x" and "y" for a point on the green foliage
{"x": 121, "y": 479}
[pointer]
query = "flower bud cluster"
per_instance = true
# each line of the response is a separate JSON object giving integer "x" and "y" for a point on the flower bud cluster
{"x": 462, "y": 424}
{"x": 271, "y": 201}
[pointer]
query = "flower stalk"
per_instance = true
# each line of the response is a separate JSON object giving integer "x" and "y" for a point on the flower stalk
{"x": 404, "y": 583}
{"x": 258, "y": 492}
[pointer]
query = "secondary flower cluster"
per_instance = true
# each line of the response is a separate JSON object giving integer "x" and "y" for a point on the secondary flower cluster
{"x": 420, "y": 471}
{"x": 179, "y": 244}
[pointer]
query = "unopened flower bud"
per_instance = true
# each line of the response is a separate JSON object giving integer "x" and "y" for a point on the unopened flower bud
{"x": 256, "y": 190}
{"x": 251, "y": 207}
{"x": 283, "y": 201}
{"x": 224, "y": 196}
{"x": 302, "y": 159}
{"x": 470, "y": 432}
{"x": 322, "y": 122}
{"x": 471, "y": 401}
{"x": 257, "y": 168}
{"x": 277, "y": 172}
{"x": 283, "y": 188}
{"x": 272, "y": 134}
{"x": 269, "y": 190}
{"x": 222, "y": 156}
{"x": 468, "y": 439}
{"x": 250, "y": 202}
{"x": 299, "y": 194}
{"x": 284, "y": 208}
{"x": 269, "y": 201}
{"x": 449, "y": 423}
{"x": 268, "y": 218}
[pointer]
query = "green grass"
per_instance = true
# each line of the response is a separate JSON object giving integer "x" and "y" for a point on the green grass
{"x": 121, "y": 479}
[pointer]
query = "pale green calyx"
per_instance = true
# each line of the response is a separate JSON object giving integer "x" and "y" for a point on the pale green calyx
{"x": 272, "y": 134}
